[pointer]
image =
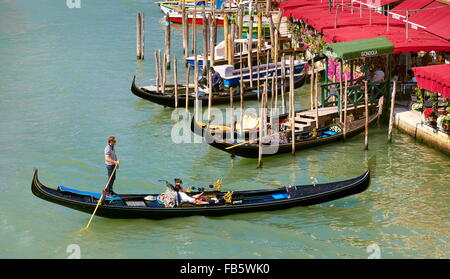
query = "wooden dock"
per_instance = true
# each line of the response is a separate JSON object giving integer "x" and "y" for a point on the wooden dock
{"x": 306, "y": 120}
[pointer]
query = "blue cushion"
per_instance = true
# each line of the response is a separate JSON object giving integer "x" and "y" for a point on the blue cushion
{"x": 280, "y": 196}
{"x": 85, "y": 193}
{"x": 330, "y": 133}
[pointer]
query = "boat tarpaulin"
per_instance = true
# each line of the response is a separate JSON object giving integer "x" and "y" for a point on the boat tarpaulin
{"x": 360, "y": 48}
{"x": 435, "y": 78}
{"x": 219, "y": 4}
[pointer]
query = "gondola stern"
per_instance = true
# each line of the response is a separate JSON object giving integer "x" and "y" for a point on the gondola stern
{"x": 196, "y": 128}
{"x": 133, "y": 84}
{"x": 36, "y": 184}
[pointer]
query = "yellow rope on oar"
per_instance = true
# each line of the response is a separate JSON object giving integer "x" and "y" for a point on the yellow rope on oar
{"x": 101, "y": 198}
{"x": 251, "y": 141}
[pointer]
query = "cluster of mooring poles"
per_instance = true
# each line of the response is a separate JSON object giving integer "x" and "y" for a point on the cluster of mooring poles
{"x": 256, "y": 67}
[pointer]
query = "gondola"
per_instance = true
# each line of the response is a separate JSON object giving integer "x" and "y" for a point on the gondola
{"x": 167, "y": 98}
{"x": 136, "y": 206}
{"x": 200, "y": 128}
{"x": 306, "y": 139}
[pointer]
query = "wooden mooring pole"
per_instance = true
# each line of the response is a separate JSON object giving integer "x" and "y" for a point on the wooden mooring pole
{"x": 292, "y": 102}
{"x": 175, "y": 81}
{"x": 250, "y": 49}
{"x": 345, "y": 109}
{"x": 241, "y": 93}
{"x": 164, "y": 73}
{"x": 205, "y": 41}
{"x": 391, "y": 117}
{"x": 232, "y": 113}
{"x": 316, "y": 102}
{"x": 188, "y": 70}
{"x": 225, "y": 36}
{"x": 158, "y": 80}
{"x": 210, "y": 95}
{"x": 312, "y": 86}
{"x": 140, "y": 31}
{"x": 212, "y": 39}
{"x": 283, "y": 83}
{"x": 167, "y": 44}
{"x": 185, "y": 24}
{"x": 261, "y": 129}
{"x": 366, "y": 106}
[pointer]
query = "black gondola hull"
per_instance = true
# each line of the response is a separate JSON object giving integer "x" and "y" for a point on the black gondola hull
{"x": 252, "y": 150}
{"x": 312, "y": 195}
{"x": 168, "y": 100}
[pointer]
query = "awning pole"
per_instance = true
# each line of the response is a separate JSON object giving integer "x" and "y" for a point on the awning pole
{"x": 406, "y": 22}
{"x": 360, "y": 10}
{"x": 387, "y": 25}
{"x": 336, "y": 18}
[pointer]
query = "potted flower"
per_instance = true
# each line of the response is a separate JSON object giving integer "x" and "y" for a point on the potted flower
{"x": 430, "y": 114}
{"x": 429, "y": 117}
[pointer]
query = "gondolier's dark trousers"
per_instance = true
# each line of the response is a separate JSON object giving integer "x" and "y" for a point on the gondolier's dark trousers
{"x": 109, "y": 187}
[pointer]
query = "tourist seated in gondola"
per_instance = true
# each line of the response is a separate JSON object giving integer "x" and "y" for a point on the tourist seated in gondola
{"x": 185, "y": 198}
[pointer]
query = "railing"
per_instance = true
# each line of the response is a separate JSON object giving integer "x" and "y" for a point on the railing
{"x": 355, "y": 93}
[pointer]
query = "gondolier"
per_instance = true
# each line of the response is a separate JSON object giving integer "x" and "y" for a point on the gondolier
{"x": 111, "y": 162}
{"x": 216, "y": 80}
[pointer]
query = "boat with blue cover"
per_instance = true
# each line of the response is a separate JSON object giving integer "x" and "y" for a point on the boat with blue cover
{"x": 232, "y": 76}
{"x": 150, "y": 206}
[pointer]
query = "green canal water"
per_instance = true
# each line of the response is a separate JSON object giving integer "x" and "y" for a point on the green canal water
{"x": 65, "y": 78}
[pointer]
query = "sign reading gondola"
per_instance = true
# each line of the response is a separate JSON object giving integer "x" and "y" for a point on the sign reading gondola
{"x": 359, "y": 48}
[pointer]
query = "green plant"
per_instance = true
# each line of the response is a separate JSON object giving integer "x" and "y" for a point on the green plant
{"x": 417, "y": 106}
{"x": 434, "y": 101}
{"x": 419, "y": 95}
{"x": 445, "y": 118}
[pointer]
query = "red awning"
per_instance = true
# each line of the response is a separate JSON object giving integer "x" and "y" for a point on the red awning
{"x": 376, "y": 3}
{"x": 400, "y": 10}
{"x": 355, "y": 27}
{"x": 435, "y": 21}
{"x": 434, "y": 78}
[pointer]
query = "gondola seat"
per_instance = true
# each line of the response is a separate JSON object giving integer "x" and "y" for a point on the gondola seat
{"x": 86, "y": 193}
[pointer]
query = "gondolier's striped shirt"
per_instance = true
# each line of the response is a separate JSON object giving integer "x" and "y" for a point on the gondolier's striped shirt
{"x": 109, "y": 150}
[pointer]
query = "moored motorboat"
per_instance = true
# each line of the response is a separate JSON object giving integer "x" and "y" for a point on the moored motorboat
{"x": 240, "y": 47}
{"x": 150, "y": 206}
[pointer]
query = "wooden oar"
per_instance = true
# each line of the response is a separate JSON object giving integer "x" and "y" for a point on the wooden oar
{"x": 250, "y": 141}
{"x": 101, "y": 198}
